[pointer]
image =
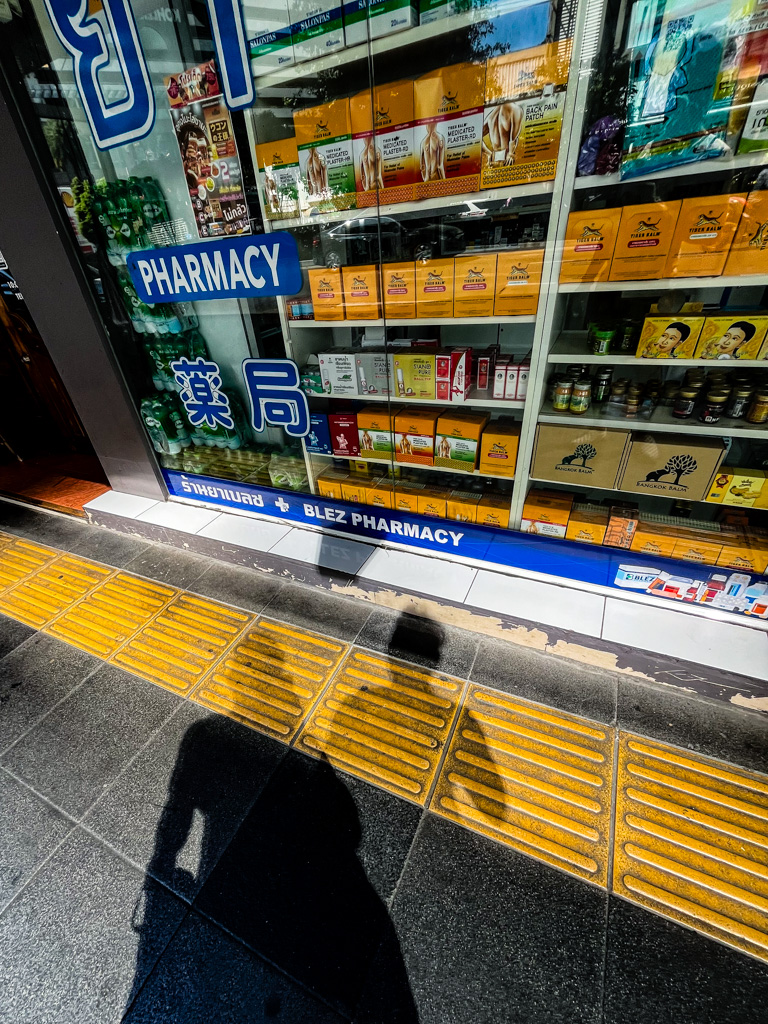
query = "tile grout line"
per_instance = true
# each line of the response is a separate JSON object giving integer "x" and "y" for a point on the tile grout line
{"x": 448, "y": 740}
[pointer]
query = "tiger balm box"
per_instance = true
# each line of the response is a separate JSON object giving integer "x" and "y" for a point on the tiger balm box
{"x": 643, "y": 241}
{"x": 415, "y": 436}
{"x": 474, "y": 285}
{"x": 749, "y": 249}
{"x": 702, "y": 239}
{"x": 518, "y": 281}
{"x": 590, "y": 238}
{"x": 326, "y": 157}
{"x": 457, "y": 440}
{"x": 279, "y": 173}
{"x": 382, "y": 141}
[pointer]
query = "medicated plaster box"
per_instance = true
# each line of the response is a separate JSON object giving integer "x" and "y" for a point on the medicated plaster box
{"x": 326, "y": 157}
{"x": 327, "y": 293}
{"x": 671, "y": 337}
{"x": 373, "y": 373}
{"x": 678, "y": 467}
{"x": 329, "y": 483}
{"x": 643, "y": 241}
{"x": 462, "y": 506}
{"x": 702, "y": 239}
{"x": 431, "y": 502}
{"x": 590, "y": 239}
{"x": 337, "y": 373}
{"x": 578, "y": 455}
{"x": 546, "y": 513}
{"x": 415, "y": 436}
{"x": 344, "y": 439}
{"x": 361, "y": 292}
{"x": 518, "y": 281}
{"x": 374, "y": 431}
{"x": 493, "y": 510}
{"x": 733, "y": 486}
{"x": 448, "y": 114}
{"x": 413, "y": 375}
{"x": 737, "y": 336}
{"x": 434, "y": 289}
{"x": 587, "y": 527}
{"x": 268, "y": 30}
{"x": 474, "y": 285}
{"x": 279, "y": 177}
{"x": 317, "y": 28}
{"x": 398, "y": 281}
{"x": 382, "y": 141}
{"x": 435, "y": 10}
{"x": 749, "y": 249}
{"x": 457, "y": 440}
{"x": 498, "y": 449}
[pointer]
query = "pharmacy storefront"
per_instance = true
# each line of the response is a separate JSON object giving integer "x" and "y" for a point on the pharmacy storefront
{"x": 483, "y": 279}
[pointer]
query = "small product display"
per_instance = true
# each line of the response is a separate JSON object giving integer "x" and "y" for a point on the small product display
{"x": 457, "y": 440}
{"x": 733, "y": 337}
{"x": 326, "y": 158}
{"x": 415, "y": 436}
{"x": 670, "y": 337}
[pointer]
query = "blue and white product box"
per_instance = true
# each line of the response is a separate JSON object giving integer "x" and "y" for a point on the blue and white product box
{"x": 355, "y": 22}
{"x": 317, "y": 28}
{"x": 268, "y": 28}
{"x": 387, "y": 16}
{"x": 318, "y": 440}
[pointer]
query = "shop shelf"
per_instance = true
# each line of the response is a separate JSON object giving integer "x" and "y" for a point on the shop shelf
{"x": 721, "y": 166}
{"x": 444, "y": 203}
{"x": 408, "y": 465}
{"x": 420, "y": 322}
{"x": 661, "y": 421}
{"x": 476, "y": 400}
{"x": 666, "y": 284}
{"x": 571, "y": 347}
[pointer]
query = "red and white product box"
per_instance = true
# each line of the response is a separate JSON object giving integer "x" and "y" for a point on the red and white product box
{"x": 499, "y": 380}
{"x": 344, "y": 436}
{"x": 524, "y": 372}
{"x": 510, "y": 385}
{"x": 453, "y": 375}
{"x": 485, "y": 370}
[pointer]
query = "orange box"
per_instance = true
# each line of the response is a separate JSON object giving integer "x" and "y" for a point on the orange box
{"x": 643, "y": 241}
{"x": 385, "y": 163}
{"x": 518, "y": 282}
{"x": 746, "y": 552}
{"x": 329, "y": 483}
{"x": 474, "y": 285}
{"x": 546, "y": 513}
{"x": 748, "y": 249}
{"x": 457, "y": 440}
{"x": 587, "y": 527}
{"x": 374, "y": 428}
{"x": 493, "y": 510}
{"x": 355, "y": 488}
{"x": 498, "y": 449}
{"x": 462, "y": 506}
{"x": 696, "y": 547}
{"x": 398, "y": 282}
{"x": 406, "y": 497}
{"x": 327, "y": 293}
{"x": 702, "y": 239}
{"x": 361, "y": 293}
{"x": 434, "y": 289}
{"x": 590, "y": 239}
{"x": 431, "y": 502}
{"x": 650, "y": 539}
{"x": 381, "y": 494}
{"x": 415, "y": 436}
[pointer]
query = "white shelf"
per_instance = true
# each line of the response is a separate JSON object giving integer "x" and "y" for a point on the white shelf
{"x": 474, "y": 400}
{"x": 666, "y": 284}
{"x": 661, "y": 421}
{"x": 410, "y": 465}
{"x": 423, "y": 321}
{"x": 571, "y": 346}
{"x": 468, "y": 199}
{"x": 721, "y": 166}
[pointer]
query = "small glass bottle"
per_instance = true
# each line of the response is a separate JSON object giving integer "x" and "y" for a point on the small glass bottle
{"x": 562, "y": 398}
{"x": 580, "y": 397}
{"x": 738, "y": 403}
{"x": 714, "y": 407}
{"x": 758, "y": 410}
{"x": 685, "y": 403}
{"x": 602, "y": 386}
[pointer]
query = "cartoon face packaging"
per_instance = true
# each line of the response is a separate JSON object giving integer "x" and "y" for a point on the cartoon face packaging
{"x": 732, "y": 337}
{"x": 669, "y": 337}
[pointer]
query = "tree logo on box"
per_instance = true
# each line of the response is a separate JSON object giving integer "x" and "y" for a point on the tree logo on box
{"x": 583, "y": 452}
{"x": 677, "y": 466}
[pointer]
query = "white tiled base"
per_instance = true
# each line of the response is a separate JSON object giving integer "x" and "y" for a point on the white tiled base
{"x": 117, "y": 503}
{"x": 420, "y": 573}
{"x": 256, "y": 534}
{"x": 324, "y": 549}
{"x": 185, "y": 518}
{"x": 548, "y": 603}
{"x": 706, "y": 641}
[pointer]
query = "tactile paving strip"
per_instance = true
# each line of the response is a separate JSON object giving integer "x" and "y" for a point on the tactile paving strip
{"x": 182, "y": 642}
{"x": 384, "y": 721}
{"x": 534, "y": 778}
{"x": 103, "y": 621}
{"x": 271, "y": 677}
{"x": 19, "y": 559}
{"x": 692, "y": 841}
{"x": 51, "y": 590}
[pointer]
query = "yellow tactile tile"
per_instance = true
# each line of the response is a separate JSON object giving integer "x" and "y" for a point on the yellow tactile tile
{"x": 271, "y": 677}
{"x": 51, "y": 590}
{"x": 692, "y": 841}
{"x": 19, "y": 559}
{"x": 384, "y": 721}
{"x": 182, "y": 642}
{"x": 532, "y": 777}
{"x": 103, "y": 621}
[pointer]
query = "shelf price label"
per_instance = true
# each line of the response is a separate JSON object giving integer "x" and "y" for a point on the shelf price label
{"x": 255, "y": 266}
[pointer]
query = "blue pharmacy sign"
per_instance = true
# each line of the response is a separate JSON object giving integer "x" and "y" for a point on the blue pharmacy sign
{"x": 276, "y": 396}
{"x": 243, "y": 267}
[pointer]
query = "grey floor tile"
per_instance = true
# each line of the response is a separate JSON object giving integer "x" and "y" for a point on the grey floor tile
{"x": 176, "y": 807}
{"x": 244, "y": 588}
{"x": 305, "y": 881}
{"x": 12, "y": 633}
{"x": 657, "y": 973}
{"x": 110, "y": 547}
{"x": 547, "y": 679}
{"x": 33, "y": 678}
{"x": 168, "y": 565}
{"x": 82, "y": 938}
{"x": 420, "y": 640}
{"x": 338, "y": 617}
{"x": 205, "y": 976}
{"x": 29, "y": 831}
{"x": 83, "y": 744}
{"x": 487, "y": 935}
{"x": 52, "y": 528}
{"x": 708, "y": 727}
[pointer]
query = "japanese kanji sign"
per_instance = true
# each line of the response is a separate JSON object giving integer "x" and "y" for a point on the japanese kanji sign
{"x": 276, "y": 397}
{"x": 199, "y": 383}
